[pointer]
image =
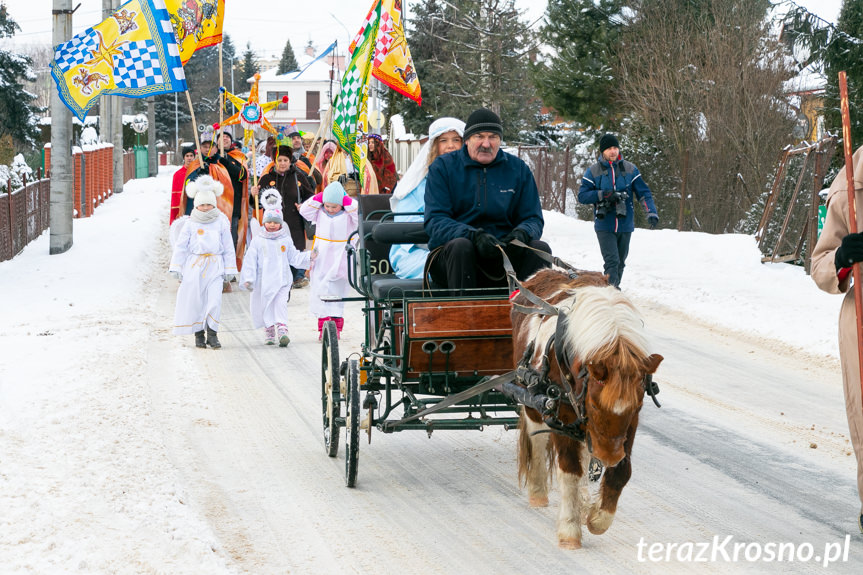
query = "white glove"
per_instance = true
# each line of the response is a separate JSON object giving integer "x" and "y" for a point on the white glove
{"x": 249, "y": 286}
{"x": 177, "y": 276}
{"x": 229, "y": 277}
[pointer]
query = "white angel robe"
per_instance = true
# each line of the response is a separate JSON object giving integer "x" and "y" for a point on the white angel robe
{"x": 329, "y": 271}
{"x": 266, "y": 266}
{"x": 203, "y": 253}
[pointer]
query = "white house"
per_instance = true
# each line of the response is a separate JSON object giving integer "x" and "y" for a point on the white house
{"x": 310, "y": 92}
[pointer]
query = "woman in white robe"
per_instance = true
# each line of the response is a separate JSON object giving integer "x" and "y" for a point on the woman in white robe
{"x": 267, "y": 274}
{"x": 335, "y": 217}
{"x": 203, "y": 259}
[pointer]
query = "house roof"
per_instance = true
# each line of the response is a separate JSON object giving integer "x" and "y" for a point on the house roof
{"x": 316, "y": 72}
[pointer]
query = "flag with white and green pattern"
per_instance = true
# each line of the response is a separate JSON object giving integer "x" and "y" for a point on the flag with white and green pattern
{"x": 349, "y": 122}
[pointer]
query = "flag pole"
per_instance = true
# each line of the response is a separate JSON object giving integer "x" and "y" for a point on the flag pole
{"x": 852, "y": 214}
{"x": 195, "y": 129}
{"x": 255, "y": 178}
{"x": 221, "y": 101}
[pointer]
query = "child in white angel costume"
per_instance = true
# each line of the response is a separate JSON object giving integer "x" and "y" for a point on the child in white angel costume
{"x": 335, "y": 217}
{"x": 267, "y": 274}
{"x": 203, "y": 259}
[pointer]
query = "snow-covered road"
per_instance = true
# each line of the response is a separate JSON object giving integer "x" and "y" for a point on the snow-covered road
{"x": 717, "y": 459}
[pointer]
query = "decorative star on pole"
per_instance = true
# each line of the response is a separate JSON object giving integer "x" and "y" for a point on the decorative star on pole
{"x": 250, "y": 112}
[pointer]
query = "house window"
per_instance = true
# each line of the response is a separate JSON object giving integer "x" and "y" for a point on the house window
{"x": 313, "y": 105}
{"x": 272, "y": 96}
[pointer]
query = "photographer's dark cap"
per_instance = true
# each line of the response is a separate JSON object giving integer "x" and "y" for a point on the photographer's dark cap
{"x": 608, "y": 141}
{"x": 482, "y": 120}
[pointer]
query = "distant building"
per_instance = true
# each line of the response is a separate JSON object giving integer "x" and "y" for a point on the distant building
{"x": 310, "y": 91}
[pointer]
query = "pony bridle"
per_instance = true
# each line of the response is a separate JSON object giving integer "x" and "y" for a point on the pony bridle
{"x": 574, "y": 385}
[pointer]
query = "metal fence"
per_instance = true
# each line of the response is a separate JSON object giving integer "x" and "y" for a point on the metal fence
{"x": 23, "y": 216}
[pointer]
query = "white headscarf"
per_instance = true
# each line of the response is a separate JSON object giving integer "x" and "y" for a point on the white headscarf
{"x": 419, "y": 167}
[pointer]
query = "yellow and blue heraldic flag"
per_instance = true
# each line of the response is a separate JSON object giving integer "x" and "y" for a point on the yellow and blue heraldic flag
{"x": 132, "y": 53}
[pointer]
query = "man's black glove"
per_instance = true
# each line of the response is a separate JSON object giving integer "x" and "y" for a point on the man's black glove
{"x": 486, "y": 244}
{"x": 605, "y": 195}
{"x": 516, "y": 234}
{"x": 652, "y": 220}
{"x": 850, "y": 252}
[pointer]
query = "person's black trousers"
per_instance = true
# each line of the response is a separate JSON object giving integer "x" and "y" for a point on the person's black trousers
{"x": 457, "y": 265}
{"x": 614, "y": 247}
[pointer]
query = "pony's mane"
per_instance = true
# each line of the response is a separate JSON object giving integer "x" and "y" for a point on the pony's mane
{"x": 598, "y": 319}
{"x": 602, "y": 324}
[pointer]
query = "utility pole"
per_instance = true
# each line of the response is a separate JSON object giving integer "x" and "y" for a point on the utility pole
{"x": 117, "y": 133}
{"x": 152, "y": 153}
{"x": 105, "y": 101}
{"x": 60, "y": 207}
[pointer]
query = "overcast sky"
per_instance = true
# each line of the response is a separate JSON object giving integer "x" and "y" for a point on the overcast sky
{"x": 267, "y": 24}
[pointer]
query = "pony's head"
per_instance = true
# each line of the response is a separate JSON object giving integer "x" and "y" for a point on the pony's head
{"x": 605, "y": 334}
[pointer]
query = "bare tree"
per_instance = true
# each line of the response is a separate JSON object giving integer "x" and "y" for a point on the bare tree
{"x": 707, "y": 79}
{"x": 41, "y": 57}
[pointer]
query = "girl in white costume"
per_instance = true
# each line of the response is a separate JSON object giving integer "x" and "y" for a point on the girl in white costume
{"x": 203, "y": 259}
{"x": 335, "y": 216}
{"x": 267, "y": 274}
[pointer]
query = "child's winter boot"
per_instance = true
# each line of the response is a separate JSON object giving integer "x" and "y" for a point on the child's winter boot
{"x": 199, "y": 339}
{"x": 213, "y": 339}
{"x": 321, "y": 321}
{"x": 340, "y": 323}
{"x": 271, "y": 335}
{"x": 282, "y": 332}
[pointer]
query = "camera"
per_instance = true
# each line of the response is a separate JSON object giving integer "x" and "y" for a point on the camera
{"x": 617, "y": 201}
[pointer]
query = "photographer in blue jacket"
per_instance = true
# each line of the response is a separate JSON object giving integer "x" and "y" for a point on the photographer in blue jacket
{"x": 479, "y": 198}
{"x": 611, "y": 185}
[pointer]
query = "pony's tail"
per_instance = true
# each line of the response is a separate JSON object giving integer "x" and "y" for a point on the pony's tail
{"x": 525, "y": 451}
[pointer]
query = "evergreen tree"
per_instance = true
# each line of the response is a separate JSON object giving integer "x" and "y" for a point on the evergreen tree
{"x": 288, "y": 63}
{"x": 575, "y": 79}
{"x": 845, "y": 52}
{"x": 18, "y": 118}
{"x": 250, "y": 66}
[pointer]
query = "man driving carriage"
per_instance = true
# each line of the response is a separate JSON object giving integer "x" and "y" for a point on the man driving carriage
{"x": 479, "y": 199}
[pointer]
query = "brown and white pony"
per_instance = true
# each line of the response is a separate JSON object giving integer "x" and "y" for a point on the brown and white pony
{"x": 605, "y": 334}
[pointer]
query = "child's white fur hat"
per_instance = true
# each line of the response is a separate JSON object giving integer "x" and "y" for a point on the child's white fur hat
{"x": 271, "y": 198}
{"x": 204, "y": 190}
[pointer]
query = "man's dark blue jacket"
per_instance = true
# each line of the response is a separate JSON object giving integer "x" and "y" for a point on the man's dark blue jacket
{"x": 626, "y": 177}
{"x": 463, "y": 195}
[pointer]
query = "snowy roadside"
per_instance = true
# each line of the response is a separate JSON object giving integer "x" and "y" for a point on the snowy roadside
{"x": 85, "y": 482}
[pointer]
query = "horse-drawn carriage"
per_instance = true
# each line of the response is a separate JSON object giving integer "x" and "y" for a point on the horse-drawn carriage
{"x": 432, "y": 359}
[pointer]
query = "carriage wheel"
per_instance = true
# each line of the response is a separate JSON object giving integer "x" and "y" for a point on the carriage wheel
{"x": 330, "y": 396}
{"x": 352, "y": 421}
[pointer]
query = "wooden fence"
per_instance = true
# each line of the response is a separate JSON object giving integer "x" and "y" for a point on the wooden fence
{"x": 23, "y": 216}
